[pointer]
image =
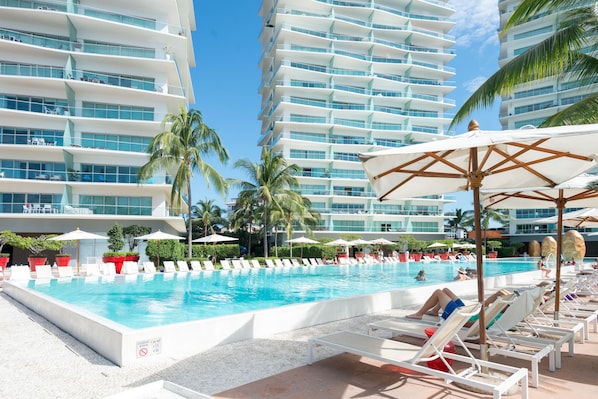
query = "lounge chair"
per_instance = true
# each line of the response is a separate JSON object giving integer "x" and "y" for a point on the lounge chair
{"x": 43, "y": 272}
{"x": 305, "y": 261}
{"x": 469, "y": 336}
{"x": 255, "y": 264}
{"x": 182, "y": 265}
{"x": 195, "y": 265}
{"x": 287, "y": 262}
{"x": 245, "y": 263}
{"x": 169, "y": 266}
{"x": 319, "y": 261}
{"x": 295, "y": 262}
{"x": 130, "y": 268}
{"x": 208, "y": 265}
{"x": 91, "y": 269}
{"x": 149, "y": 267}
{"x": 414, "y": 357}
{"x": 237, "y": 264}
{"x": 278, "y": 263}
{"x": 225, "y": 264}
{"x": 313, "y": 261}
{"x": 270, "y": 263}
{"x": 65, "y": 271}
{"x": 108, "y": 269}
{"x": 22, "y": 272}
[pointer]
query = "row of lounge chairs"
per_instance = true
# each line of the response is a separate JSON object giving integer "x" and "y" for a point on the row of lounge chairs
{"x": 520, "y": 326}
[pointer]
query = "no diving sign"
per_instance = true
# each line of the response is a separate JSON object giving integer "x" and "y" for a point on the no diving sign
{"x": 149, "y": 347}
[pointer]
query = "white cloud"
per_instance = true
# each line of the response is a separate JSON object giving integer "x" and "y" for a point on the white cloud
{"x": 473, "y": 84}
{"x": 477, "y": 22}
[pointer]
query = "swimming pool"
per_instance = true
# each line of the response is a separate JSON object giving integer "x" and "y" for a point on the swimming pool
{"x": 189, "y": 313}
{"x": 158, "y": 299}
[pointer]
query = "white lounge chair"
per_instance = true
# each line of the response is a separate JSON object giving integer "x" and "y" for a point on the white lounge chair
{"x": 169, "y": 266}
{"x": 237, "y": 264}
{"x": 313, "y": 261}
{"x": 295, "y": 262}
{"x": 245, "y": 264}
{"x": 208, "y": 265}
{"x": 225, "y": 264}
{"x": 43, "y": 272}
{"x": 255, "y": 264}
{"x": 195, "y": 265}
{"x": 532, "y": 353}
{"x": 278, "y": 263}
{"x": 22, "y": 272}
{"x": 108, "y": 269}
{"x": 287, "y": 262}
{"x": 91, "y": 269}
{"x": 149, "y": 267}
{"x": 414, "y": 357}
{"x": 182, "y": 265}
{"x": 130, "y": 268}
{"x": 65, "y": 271}
{"x": 270, "y": 263}
{"x": 305, "y": 261}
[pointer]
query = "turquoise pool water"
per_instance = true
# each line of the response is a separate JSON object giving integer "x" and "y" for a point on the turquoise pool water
{"x": 150, "y": 300}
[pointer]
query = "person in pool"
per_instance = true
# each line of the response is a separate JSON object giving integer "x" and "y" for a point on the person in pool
{"x": 462, "y": 275}
{"x": 446, "y": 300}
{"x": 421, "y": 276}
{"x": 543, "y": 267}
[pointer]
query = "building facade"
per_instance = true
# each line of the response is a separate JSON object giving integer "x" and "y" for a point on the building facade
{"x": 84, "y": 87}
{"x": 533, "y": 102}
{"x": 340, "y": 78}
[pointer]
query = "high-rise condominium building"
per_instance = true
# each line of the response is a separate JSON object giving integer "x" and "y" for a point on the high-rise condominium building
{"x": 84, "y": 86}
{"x": 533, "y": 102}
{"x": 344, "y": 77}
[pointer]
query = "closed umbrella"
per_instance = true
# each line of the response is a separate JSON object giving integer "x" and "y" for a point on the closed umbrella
{"x": 158, "y": 236}
{"x": 573, "y": 193}
{"x": 301, "y": 240}
{"x": 494, "y": 159}
{"x": 78, "y": 235}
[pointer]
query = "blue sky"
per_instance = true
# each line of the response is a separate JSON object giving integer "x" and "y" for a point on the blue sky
{"x": 226, "y": 76}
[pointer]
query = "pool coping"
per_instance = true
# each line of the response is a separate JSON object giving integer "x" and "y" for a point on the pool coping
{"x": 125, "y": 346}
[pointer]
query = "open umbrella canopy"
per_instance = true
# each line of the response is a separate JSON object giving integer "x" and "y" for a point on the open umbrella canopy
{"x": 359, "y": 241}
{"x": 381, "y": 241}
{"x": 302, "y": 240}
{"x": 587, "y": 217}
{"x": 436, "y": 245}
{"x": 338, "y": 242}
{"x": 78, "y": 235}
{"x": 464, "y": 245}
{"x": 495, "y": 159}
{"x": 215, "y": 238}
{"x": 159, "y": 235}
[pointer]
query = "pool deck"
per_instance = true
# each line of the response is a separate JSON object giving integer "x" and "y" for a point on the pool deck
{"x": 40, "y": 360}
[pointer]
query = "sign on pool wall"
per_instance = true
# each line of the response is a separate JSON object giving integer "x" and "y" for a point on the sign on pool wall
{"x": 149, "y": 347}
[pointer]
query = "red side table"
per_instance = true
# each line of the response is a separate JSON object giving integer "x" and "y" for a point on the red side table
{"x": 438, "y": 364}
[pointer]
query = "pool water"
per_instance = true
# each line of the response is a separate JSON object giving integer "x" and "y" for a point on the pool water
{"x": 148, "y": 300}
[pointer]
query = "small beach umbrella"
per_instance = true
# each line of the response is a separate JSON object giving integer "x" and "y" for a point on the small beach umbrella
{"x": 214, "y": 239}
{"x": 301, "y": 240}
{"x": 573, "y": 193}
{"x": 158, "y": 236}
{"x": 495, "y": 159}
{"x": 78, "y": 235}
{"x": 381, "y": 241}
{"x": 338, "y": 242}
{"x": 436, "y": 245}
{"x": 359, "y": 241}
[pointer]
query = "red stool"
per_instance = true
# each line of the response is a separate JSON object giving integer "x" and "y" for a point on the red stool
{"x": 438, "y": 364}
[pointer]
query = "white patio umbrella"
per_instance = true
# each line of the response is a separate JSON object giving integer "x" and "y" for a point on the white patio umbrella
{"x": 301, "y": 240}
{"x": 496, "y": 159}
{"x": 159, "y": 236}
{"x": 338, "y": 242}
{"x": 360, "y": 241}
{"x": 436, "y": 245}
{"x": 381, "y": 241}
{"x": 587, "y": 217}
{"x": 214, "y": 239}
{"x": 573, "y": 193}
{"x": 78, "y": 235}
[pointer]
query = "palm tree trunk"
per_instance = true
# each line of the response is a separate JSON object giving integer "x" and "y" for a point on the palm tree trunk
{"x": 265, "y": 230}
{"x": 190, "y": 225}
{"x": 249, "y": 244}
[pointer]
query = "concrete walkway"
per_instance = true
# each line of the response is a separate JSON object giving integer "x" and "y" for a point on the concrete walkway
{"x": 40, "y": 361}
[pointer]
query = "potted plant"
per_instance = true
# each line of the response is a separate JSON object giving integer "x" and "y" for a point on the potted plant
{"x": 6, "y": 237}
{"x": 493, "y": 246}
{"x": 36, "y": 246}
{"x": 116, "y": 242}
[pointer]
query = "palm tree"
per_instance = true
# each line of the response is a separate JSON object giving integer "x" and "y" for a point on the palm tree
{"x": 270, "y": 184}
{"x": 456, "y": 222}
{"x": 209, "y": 215}
{"x": 295, "y": 211}
{"x": 487, "y": 215}
{"x": 245, "y": 216}
{"x": 179, "y": 151}
{"x": 567, "y": 53}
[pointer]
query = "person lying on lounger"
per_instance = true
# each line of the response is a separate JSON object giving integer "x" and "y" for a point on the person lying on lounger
{"x": 446, "y": 300}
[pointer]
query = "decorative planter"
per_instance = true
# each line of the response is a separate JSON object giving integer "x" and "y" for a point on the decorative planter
{"x": 4, "y": 262}
{"x": 402, "y": 257}
{"x": 438, "y": 364}
{"x": 132, "y": 258}
{"x": 117, "y": 260}
{"x": 34, "y": 262}
{"x": 62, "y": 261}
{"x": 417, "y": 257}
{"x": 493, "y": 254}
{"x": 444, "y": 255}
{"x": 359, "y": 255}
